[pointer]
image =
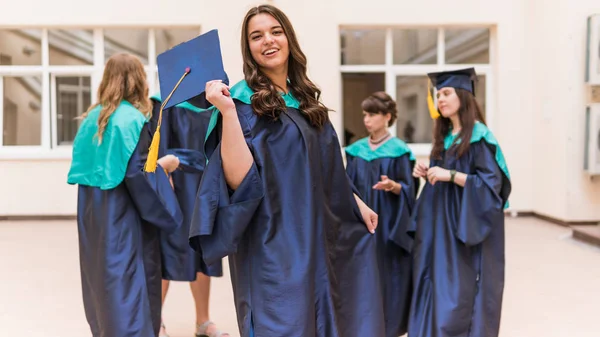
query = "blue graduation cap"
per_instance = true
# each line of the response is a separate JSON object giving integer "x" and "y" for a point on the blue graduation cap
{"x": 458, "y": 79}
{"x": 183, "y": 72}
{"x": 199, "y": 60}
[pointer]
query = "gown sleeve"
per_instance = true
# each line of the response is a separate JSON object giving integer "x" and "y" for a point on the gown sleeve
{"x": 221, "y": 216}
{"x": 481, "y": 207}
{"x": 402, "y": 173}
{"x": 151, "y": 193}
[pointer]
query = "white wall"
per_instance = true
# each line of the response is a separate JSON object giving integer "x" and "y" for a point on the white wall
{"x": 583, "y": 195}
{"x": 546, "y": 171}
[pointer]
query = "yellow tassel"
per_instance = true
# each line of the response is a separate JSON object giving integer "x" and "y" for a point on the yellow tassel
{"x": 433, "y": 111}
{"x": 152, "y": 160}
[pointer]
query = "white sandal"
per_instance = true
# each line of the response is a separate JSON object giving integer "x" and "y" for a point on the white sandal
{"x": 162, "y": 325}
{"x": 201, "y": 331}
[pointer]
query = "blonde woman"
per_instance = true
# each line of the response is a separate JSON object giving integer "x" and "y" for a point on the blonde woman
{"x": 120, "y": 208}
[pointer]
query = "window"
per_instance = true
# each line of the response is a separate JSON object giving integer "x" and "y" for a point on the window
{"x": 397, "y": 60}
{"x": 48, "y": 77}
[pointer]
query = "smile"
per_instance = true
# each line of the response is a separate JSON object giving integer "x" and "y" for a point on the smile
{"x": 270, "y": 52}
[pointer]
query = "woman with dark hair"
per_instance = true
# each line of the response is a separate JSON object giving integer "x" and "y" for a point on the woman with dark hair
{"x": 458, "y": 224}
{"x": 380, "y": 166}
{"x": 275, "y": 198}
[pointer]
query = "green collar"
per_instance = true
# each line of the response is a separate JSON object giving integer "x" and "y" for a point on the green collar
{"x": 480, "y": 131}
{"x": 104, "y": 165}
{"x": 243, "y": 93}
{"x": 393, "y": 148}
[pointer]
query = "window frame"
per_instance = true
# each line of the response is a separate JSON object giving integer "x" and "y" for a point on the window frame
{"x": 392, "y": 71}
{"x": 49, "y": 148}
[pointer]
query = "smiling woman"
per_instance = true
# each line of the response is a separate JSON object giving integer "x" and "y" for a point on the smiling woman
{"x": 271, "y": 50}
{"x": 286, "y": 215}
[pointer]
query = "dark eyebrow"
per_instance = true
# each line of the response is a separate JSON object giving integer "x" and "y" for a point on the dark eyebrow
{"x": 274, "y": 27}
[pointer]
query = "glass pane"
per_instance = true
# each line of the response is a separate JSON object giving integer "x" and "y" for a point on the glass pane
{"x": 21, "y": 47}
{"x": 169, "y": 38}
{"x": 357, "y": 87}
{"x": 480, "y": 91}
{"x": 133, "y": 41}
{"x": 73, "y": 97}
{"x": 362, "y": 46}
{"x": 22, "y": 113}
{"x": 467, "y": 46}
{"x": 71, "y": 47}
{"x": 414, "y": 124}
{"x": 415, "y": 46}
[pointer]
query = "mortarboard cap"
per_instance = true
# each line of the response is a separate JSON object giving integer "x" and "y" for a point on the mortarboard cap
{"x": 202, "y": 56}
{"x": 461, "y": 79}
{"x": 183, "y": 72}
{"x": 458, "y": 79}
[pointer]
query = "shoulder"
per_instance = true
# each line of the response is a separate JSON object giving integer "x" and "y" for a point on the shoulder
{"x": 400, "y": 148}
{"x": 482, "y": 132}
{"x": 126, "y": 119}
{"x": 354, "y": 148}
{"x": 242, "y": 92}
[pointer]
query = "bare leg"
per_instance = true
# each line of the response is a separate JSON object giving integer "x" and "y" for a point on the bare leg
{"x": 165, "y": 289}
{"x": 201, "y": 292}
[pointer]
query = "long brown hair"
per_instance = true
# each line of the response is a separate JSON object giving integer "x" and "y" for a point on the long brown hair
{"x": 124, "y": 79}
{"x": 267, "y": 101}
{"x": 469, "y": 112}
{"x": 381, "y": 103}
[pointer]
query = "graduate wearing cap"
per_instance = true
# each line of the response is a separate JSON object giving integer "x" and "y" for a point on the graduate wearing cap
{"x": 121, "y": 208}
{"x": 458, "y": 224}
{"x": 183, "y": 132}
{"x": 380, "y": 166}
{"x": 275, "y": 197}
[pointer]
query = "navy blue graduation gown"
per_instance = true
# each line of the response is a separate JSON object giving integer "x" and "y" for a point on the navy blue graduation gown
{"x": 301, "y": 258}
{"x": 459, "y": 248}
{"x": 394, "y": 212}
{"x": 120, "y": 250}
{"x": 183, "y": 131}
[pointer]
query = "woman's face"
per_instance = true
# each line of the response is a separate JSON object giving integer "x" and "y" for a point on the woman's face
{"x": 268, "y": 43}
{"x": 375, "y": 122}
{"x": 448, "y": 102}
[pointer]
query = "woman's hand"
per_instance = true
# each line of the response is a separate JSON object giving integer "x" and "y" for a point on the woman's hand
{"x": 217, "y": 93}
{"x": 369, "y": 217}
{"x": 388, "y": 185}
{"x": 169, "y": 163}
{"x": 420, "y": 170}
{"x": 437, "y": 174}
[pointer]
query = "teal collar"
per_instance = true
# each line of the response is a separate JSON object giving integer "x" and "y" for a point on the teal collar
{"x": 243, "y": 93}
{"x": 393, "y": 148}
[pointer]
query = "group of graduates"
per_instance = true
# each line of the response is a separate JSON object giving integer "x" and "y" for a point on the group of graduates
{"x": 255, "y": 172}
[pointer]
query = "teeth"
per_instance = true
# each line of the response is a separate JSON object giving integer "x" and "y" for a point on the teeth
{"x": 270, "y": 51}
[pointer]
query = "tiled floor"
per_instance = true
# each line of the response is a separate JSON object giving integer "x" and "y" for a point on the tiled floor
{"x": 552, "y": 285}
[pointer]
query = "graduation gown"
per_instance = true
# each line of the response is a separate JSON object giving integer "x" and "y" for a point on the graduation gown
{"x": 365, "y": 168}
{"x": 459, "y": 244}
{"x": 183, "y": 131}
{"x": 120, "y": 210}
{"x": 302, "y": 261}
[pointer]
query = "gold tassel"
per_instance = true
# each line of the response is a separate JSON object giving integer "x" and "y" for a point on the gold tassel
{"x": 152, "y": 160}
{"x": 433, "y": 111}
